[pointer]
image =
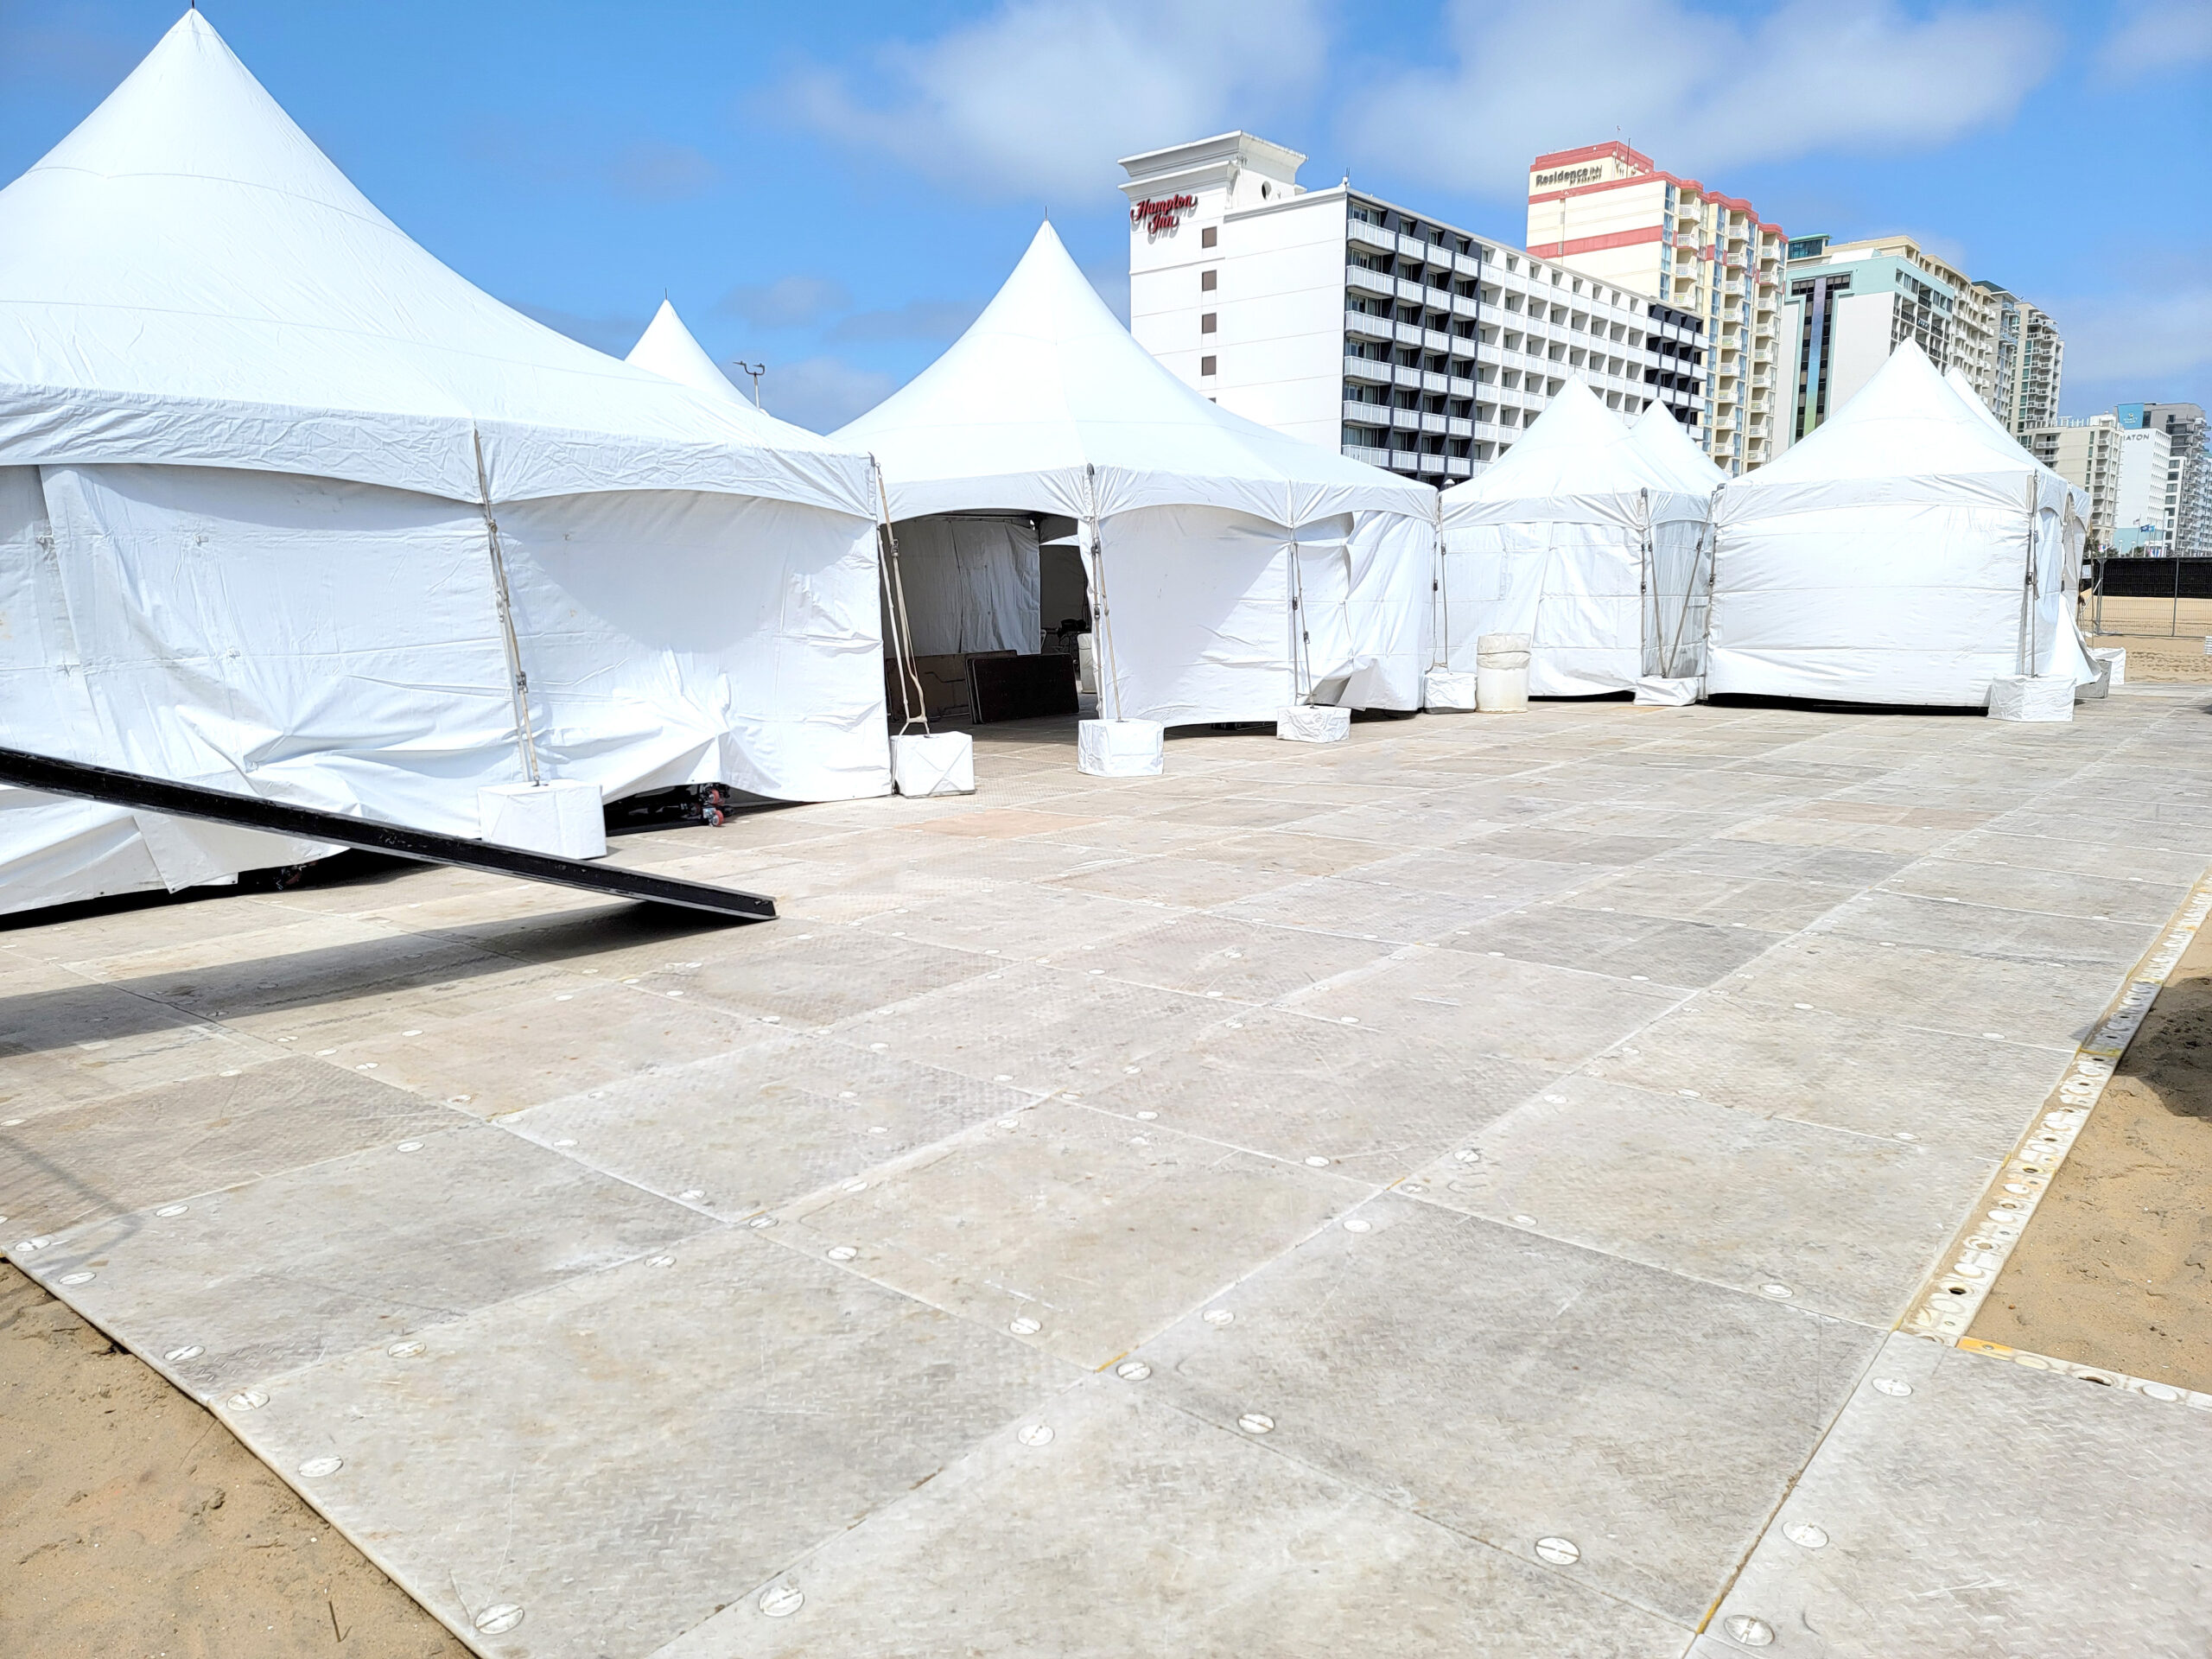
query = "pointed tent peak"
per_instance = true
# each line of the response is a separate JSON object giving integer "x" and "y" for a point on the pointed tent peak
{"x": 1047, "y": 402}
{"x": 192, "y": 110}
{"x": 1573, "y": 449}
{"x": 1904, "y": 422}
{"x": 1660, "y": 439}
{"x": 668, "y": 349}
{"x": 1046, "y": 290}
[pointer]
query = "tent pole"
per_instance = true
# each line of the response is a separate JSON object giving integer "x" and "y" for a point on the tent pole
{"x": 894, "y": 590}
{"x": 2029, "y": 591}
{"x": 518, "y": 680}
{"x": 1102, "y": 613}
{"x": 1439, "y": 594}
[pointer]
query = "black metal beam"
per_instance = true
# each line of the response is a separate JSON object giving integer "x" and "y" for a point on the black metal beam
{"x": 145, "y": 794}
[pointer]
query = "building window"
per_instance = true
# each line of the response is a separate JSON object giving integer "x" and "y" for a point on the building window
{"x": 1208, "y": 281}
{"x": 1210, "y": 237}
{"x": 1206, "y": 321}
{"x": 1205, "y": 366}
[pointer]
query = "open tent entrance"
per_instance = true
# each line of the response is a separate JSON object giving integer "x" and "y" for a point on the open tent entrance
{"x": 996, "y": 617}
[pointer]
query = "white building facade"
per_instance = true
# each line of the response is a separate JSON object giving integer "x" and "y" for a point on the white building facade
{"x": 1608, "y": 210}
{"x": 2142, "y": 506}
{"x": 2085, "y": 452}
{"x": 1367, "y": 328}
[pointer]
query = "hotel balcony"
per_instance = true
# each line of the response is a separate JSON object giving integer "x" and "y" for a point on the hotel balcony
{"x": 1370, "y": 327}
{"x": 1460, "y": 466}
{"x": 1359, "y": 413}
{"x": 1373, "y": 236}
{"x": 1370, "y": 282}
{"x": 1362, "y": 452}
{"x": 1367, "y": 369}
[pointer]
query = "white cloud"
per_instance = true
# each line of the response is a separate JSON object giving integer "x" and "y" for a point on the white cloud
{"x": 650, "y": 170}
{"x": 2157, "y": 36}
{"x": 1696, "y": 90}
{"x": 822, "y": 393}
{"x": 916, "y": 319}
{"x": 2154, "y": 344}
{"x": 1041, "y": 97}
{"x": 787, "y": 303}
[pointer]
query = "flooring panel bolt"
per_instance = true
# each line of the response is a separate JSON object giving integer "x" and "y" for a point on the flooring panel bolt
{"x": 1025, "y": 1326}
{"x": 1806, "y": 1535}
{"x": 247, "y": 1400}
{"x": 1132, "y": 1370}
{"x": 499, "y": 1619}
{"x": 317, "y": 1468}
{"x": 1749, "y": 1632}
{"x": 1256, "y": 1422}
{"x": 178, "y": 1356}
{"x": 1035, "y": 1434}
{"x": 1892, "y": 1386}
{"x": 781, "y": 1601}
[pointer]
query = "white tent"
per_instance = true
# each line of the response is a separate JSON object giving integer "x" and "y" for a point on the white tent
{"x": 1232, "y": 570}
{"x": 288, "y": 507}
{"x": 1587, "y": 541}
{"x": 1908, "y": 551}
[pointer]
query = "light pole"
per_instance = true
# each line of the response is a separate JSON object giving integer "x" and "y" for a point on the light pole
{"x": 756, "y": 369}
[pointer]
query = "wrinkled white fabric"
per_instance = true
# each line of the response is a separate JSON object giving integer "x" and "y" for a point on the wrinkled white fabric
{"x": 187, "y": 279}
{"x": 1047, "y": 405}
{"x": 1586, "y": 539}
{"x": 1908, "y": 551}
{"x": 248, "y": 434}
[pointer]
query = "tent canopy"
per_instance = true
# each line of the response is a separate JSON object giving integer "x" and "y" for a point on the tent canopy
{"x": 667, "y": 348}
{"x": 1906, "y": 436}
{"x": 1659, "y": 440}
{"x": 1908, "y": 551}
{"x": 1576, "y": 463}
{"x": 1047, "y": 404}
{"x": 186, "y": 279}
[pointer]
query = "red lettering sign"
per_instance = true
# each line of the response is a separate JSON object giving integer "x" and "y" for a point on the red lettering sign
{"x": 1164, "y": 214}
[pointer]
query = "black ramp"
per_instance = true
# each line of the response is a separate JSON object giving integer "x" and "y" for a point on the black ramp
{"x": 251, "y": 813}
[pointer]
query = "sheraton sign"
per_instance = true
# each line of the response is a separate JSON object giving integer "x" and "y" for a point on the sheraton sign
{"x": 1163, "y": 214}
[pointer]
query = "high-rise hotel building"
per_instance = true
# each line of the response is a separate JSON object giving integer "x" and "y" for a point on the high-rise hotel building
{"x": 1606, "y": 209}
{"x": 1371, "y": 329}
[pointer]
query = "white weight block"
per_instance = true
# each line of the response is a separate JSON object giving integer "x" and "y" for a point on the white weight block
{"x": 564, "y": 817}
{"x": 1309, "y": 724}
{"x": 1121, "y": 748}
{"x": 2116, "y": 657}
{"x": 933, "y": 763}
{"x": 1445, "y": 688}
{"x": 2037, "y": 697}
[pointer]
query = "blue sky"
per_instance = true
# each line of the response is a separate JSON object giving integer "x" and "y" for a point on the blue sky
{"x": 835, "y": 189}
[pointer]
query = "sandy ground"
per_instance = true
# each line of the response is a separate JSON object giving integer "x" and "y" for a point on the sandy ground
{"x": 2155, "y": 656}
{"x": 2115, "y": 1270}
{"x": 131, "y": 1523}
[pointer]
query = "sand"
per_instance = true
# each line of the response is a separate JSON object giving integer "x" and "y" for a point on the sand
{"x": 2115, "y": 1270}
{"x": 132, "y": 1522}
{"x": 2158, "y": 659}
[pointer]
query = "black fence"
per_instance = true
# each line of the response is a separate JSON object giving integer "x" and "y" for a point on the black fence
{"x": 2171, "y": 597}
{"x": 2151, "y": 578}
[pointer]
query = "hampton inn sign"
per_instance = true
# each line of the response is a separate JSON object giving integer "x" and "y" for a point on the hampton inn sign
{"x": 1163, "y": 214}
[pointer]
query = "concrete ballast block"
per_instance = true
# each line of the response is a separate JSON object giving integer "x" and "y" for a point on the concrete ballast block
{"x": 933, "y": 763}
{"x": 1121, "y": 748}
{"x": 1446, "y": 688}
{"x": 1307, "y": 723}
{"x": 564, "y": 817}
{"x": 2032, "y": 697}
